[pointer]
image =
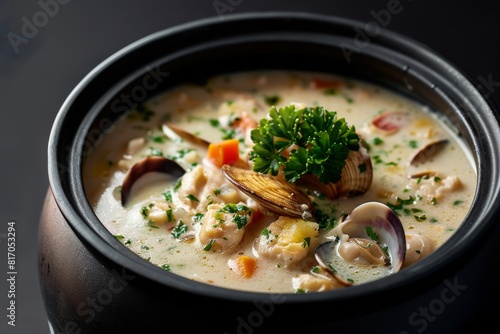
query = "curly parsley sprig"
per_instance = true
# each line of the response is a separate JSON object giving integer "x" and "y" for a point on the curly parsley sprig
{"x": 319, "y": 143}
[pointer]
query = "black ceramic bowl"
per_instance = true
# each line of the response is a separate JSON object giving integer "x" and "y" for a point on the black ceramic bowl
{"x": 91, "y": 283}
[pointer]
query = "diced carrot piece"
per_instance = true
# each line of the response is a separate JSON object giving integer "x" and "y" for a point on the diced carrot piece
{"x": 243, "y": 265}
{"x": 224, "y": 152}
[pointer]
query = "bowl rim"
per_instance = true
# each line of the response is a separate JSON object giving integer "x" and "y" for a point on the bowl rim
{"x": 448, "y": 253}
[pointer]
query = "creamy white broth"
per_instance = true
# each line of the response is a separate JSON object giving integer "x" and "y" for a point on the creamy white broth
{"x": 435, "y": 215}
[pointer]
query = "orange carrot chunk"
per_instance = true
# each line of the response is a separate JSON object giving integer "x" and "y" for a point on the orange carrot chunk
{"x": 243, "y": 265}
{"x": 224, "y": 152}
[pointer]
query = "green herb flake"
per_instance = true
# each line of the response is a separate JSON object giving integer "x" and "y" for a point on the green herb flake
{"x": 168, "y": 196}
{"x": 420, "y": 218}
{"x": 170, "y": 215}
{"x": 214, "y": 122}
{"x": 157, "y": 139}
{"x": 178, "y": 230}
{"x": 145, "y": 211}
{"x": 272, "y": 100}
{"x": 155, "y": 152}
{"x": 265, "y": 232}
{"x": 307, "y": 242}
{"x": 209, "y": 245}
{"x": 166, "y": 267}
{"x": 197, "y": 217}
{"x": 330, "y": 91}
{"x": 372, "y": 234}
{"x": 192, "y": 198}
{"x": 152, "y": 224}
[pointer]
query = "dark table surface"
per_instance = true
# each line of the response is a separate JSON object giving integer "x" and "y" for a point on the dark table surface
{"x": 40, "y": 65}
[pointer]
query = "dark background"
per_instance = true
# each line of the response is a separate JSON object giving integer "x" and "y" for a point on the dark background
{"x": 38, "y": 74}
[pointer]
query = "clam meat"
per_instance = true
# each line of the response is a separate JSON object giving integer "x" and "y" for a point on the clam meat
{"x": 368, "y": 244}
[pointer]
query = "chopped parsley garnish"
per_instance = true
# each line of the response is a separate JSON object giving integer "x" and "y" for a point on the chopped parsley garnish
{"x": 372, "y": 234}
{"x": 239, "y": 211}
{"x": 413, "y": 143}
{"x": 168, "y": 196}
{"x": 155, "y": 152}
{"x": 320, "y": 143}
{"x": 214, "y": 122}
{"x": 170, "y": 215}
{"x": 179, "y": 229}
{"x": 197, "y": 217}
{"x": 306, "y": 243}
{"x": 265, "y": 232}
{"x": 209, "y": 245}
{"x": 272, "y": 100}
{"x": 152, "y": 224}
{"x": 192, "y": 197}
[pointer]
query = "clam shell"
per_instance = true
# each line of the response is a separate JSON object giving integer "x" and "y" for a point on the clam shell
{"x": 383, "y": 222}
{"x": 428, "y": 151}
{"x": 146, "y": 165}
{"x": 273, "y": 193}
{"x": 356, "y": 178}
{"x": 176, "y": 133}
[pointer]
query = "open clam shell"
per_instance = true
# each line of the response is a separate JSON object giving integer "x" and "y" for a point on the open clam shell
{"x": 356, "y": 178}
{"x": 369, "y": 244}
{"x": 275, "y": 194}
{"x": 146, "y": 165}
{"x": 174, "y": 132}
{"x": 428, "y": 151}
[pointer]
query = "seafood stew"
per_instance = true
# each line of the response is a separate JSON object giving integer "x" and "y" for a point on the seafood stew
{"x": 192, "y": 182}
